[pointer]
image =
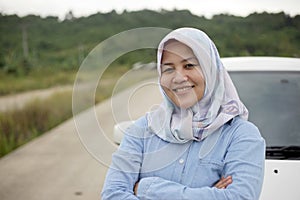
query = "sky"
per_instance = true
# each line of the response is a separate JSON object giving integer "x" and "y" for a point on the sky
{"x": 206, "y": 8}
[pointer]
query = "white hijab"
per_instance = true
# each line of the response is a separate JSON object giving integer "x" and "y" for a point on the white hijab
{"x": 219, "y": 104}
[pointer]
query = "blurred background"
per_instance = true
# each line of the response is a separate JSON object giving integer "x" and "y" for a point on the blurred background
{"x": 43, "y": 44}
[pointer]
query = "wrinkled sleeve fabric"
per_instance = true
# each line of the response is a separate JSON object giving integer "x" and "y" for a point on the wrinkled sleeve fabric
{"x": 244, "y": 161}
{"x": 126, "y": 163}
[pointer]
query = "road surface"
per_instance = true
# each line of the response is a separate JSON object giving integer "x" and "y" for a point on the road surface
{"x": 17, "y": 101}
{"x": 58, "y": 166}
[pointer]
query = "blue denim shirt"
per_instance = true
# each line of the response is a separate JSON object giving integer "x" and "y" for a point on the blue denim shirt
{"x": 187, "y": 171}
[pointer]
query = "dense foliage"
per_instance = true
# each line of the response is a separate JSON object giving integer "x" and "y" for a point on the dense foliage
{"x": 35, "y": 42}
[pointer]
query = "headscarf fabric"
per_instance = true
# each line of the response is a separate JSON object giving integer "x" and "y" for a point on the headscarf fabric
{"x": 219, "y": 104}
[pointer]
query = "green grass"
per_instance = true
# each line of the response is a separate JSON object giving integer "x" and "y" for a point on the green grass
{"x": 20, "y": 126}
{"x": 37, "y": 79}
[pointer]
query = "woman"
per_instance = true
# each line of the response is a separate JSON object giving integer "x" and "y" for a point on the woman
{"x": 198, "y": 144}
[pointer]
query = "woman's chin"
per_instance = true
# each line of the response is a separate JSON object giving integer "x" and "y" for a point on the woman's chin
{"x": 185, "y": 104}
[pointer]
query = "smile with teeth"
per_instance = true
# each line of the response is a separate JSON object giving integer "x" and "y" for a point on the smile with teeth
{"x": 182, "y": 89}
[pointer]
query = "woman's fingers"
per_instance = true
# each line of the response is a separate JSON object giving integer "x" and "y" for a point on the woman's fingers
{"x": 223, "y": 182}
{"x": 135, "y": 188}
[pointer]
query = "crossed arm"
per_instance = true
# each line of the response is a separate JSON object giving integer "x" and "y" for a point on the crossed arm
{"x": 221, "y": 184}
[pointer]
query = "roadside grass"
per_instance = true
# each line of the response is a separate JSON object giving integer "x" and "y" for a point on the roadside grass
{"x": 19, "y": 126}
{"x": 37, "y": 116}
{"x": 36, "y": 79}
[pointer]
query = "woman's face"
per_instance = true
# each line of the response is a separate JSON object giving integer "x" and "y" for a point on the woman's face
{"x": 181, "y": 75}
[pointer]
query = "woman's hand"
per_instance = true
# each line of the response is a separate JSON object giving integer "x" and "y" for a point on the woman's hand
{"x": 135, "y": 188}
{"x": 223, "y": 182}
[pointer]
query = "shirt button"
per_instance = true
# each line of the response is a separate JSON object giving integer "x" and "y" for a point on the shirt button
{"x": 181, "y": 161}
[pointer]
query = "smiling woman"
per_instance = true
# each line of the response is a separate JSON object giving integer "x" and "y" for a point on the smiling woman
{"x": 181, "y": 75}
{"x": 198, "y": 143}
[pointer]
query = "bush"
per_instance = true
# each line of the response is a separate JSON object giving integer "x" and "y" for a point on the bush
{"x": 19, "y": 126}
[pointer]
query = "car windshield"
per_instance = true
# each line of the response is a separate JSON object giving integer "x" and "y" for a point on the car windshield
{"x": 273, "y": 101}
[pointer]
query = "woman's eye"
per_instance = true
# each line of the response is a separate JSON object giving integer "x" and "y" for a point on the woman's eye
{"x": 167, "y": 70}
{"x": 190, "y": 65}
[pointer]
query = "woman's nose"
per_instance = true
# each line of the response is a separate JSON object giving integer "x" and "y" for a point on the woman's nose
{"x": 180, "y": 77}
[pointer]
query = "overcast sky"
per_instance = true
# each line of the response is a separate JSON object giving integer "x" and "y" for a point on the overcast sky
{"x": 198, "y": 7}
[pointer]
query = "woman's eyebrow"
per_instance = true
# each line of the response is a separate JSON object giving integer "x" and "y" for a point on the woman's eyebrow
{"x": 167, "y": 63}
{"x": 190, "y": 58}
{"x": 182, "y": 61}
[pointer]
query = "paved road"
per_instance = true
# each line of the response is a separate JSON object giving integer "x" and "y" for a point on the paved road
{"x": 58, "y": 166}
{"x": 16, "y": 101}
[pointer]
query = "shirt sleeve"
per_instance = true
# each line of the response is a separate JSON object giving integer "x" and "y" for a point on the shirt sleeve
{"x": 124, "y": 170}
{"x": 244, "y": 161}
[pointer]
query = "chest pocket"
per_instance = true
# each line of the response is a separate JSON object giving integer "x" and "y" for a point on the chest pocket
{"x": 210, "y": 165}
{"x": 207, "y": 172}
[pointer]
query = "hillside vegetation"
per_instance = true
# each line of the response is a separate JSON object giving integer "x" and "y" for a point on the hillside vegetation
{"x": 31, "y": 42}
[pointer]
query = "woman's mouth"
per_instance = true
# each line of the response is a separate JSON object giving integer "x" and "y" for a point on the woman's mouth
{"x": 180, "y": 90}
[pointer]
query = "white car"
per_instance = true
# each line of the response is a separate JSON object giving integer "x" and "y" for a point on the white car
{"x": 270, "y": 89}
